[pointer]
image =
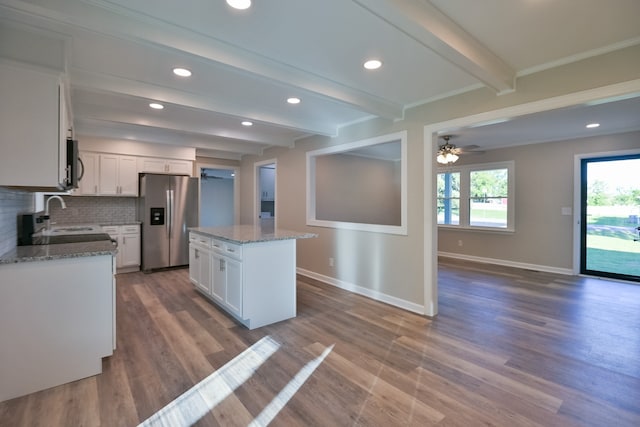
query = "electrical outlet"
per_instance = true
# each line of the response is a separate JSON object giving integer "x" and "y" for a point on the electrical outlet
{"x": 459, "y": 242}
{"x": 330, "y": 262}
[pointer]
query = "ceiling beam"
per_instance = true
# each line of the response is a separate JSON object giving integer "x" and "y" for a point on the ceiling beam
{"x": 90, "y": 111}
{"x": 217, "y": 154}
{"x": 111, "y": 20}
{"x": 128, "y": 131}
{"x": 423, "y": 22}
{"x": 92, "y": 81}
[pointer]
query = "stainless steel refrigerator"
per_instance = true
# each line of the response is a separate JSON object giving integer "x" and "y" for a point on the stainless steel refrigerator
{"x": 167, "y": 207}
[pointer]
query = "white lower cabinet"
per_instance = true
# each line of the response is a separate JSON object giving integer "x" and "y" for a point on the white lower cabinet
{"x": 234, "y": 286}
{"x": 200, "y": 266}
{"x": 227, "y": 282}
{"x": 218, "y": 277}
{"x": 128, "y": 238}
{"x": 57, "y": 322}
{"x": 254, "y": 282}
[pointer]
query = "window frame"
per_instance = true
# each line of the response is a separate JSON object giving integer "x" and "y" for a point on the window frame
{"x": 465, "y": 196}
{"x": 311, "y": 219}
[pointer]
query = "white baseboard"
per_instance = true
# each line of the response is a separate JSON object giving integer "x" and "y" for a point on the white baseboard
{"x": 369, "y": 293}
{"x": 505, "y": 263}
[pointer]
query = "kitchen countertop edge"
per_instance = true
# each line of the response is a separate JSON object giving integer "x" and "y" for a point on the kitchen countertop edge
{"x": 245, "y": 234}
{"x": 52, "y": 252}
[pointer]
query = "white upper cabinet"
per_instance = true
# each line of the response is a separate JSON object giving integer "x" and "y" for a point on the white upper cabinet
{"x": 107, "y": 174}
{"x": 179, "y": 167}
{"x": 118, "y": 175}
{"x": 168, "y": 166}
{"x": 152, "y": 165}
{"x": 88, "y": 184}
{"x": 33, "y": 122}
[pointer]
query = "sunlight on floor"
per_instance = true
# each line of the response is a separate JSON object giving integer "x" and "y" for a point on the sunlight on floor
{"x": 272, "y": 409}
{"x": 196, "y": 402}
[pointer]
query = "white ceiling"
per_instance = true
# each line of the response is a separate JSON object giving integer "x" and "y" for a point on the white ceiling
{"x": 118, "y": 56}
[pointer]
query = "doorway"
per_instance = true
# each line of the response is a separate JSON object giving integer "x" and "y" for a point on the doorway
{"x": 266, "y": 193}
{"x": 610, "y": 217}
{"x": 217, "y": 197}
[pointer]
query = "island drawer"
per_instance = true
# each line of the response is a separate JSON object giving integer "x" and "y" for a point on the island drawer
{"x": 227, "y": 248}
{"x": 233, "y": 250}
{"x": 200, "y": 240}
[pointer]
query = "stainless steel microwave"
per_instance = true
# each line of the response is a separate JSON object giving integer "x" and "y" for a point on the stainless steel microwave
{"x": 75, "y": 168}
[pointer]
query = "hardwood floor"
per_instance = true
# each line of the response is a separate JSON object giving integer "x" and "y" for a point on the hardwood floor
{"x": 509, "y": 348}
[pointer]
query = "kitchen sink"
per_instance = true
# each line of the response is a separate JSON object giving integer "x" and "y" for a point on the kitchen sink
{"x": 63, "y": 230}
{"x": 70, "y": 238}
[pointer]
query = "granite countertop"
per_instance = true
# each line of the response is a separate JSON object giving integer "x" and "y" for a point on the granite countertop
{"x": 51, "y": 252}
{"x": 250, "y": 233}
{"x": 102, "y": 224}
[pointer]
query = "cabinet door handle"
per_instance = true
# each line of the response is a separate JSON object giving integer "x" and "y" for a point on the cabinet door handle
{"x": 222, "y": 265}
{"x": 124, "y": 240}
{"x": 197, "y": 254}
{"x": 95, "y": 189}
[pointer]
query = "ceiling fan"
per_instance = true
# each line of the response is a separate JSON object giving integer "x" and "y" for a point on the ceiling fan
{"x": 448, "y": 153}
{"x": 204, "y": 176}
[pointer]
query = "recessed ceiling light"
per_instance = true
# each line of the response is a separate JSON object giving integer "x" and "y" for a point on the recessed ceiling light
{"x": 293, "y": 100}
{"x": 239, "y": 4}
{"x": 593, "y": 125}
{"x": 182, "y": 72}
{"x": 247, "y": 123}
{"x": 373, "y": 64}
{"x": 156, "y": 106}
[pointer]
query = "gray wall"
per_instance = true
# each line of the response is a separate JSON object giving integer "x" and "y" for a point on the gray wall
{"x": 544, "y": 175}
{"x": 216, "y": 202}
{"x": 357, "y": 189}
{"x": 402, "y": 267}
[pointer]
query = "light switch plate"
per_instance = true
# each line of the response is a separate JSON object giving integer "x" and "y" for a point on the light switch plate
{"x": 566, "y": 211}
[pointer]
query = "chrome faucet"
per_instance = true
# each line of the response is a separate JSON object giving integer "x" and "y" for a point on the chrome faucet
{"x": 46, "y": 209}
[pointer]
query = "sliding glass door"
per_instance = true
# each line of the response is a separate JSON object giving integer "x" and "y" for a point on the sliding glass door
{"x": 610, "y": 233}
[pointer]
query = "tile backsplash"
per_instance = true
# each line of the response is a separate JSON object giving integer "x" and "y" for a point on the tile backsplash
{"x": 94, "y": 210}
{"x": 12, "y": 203}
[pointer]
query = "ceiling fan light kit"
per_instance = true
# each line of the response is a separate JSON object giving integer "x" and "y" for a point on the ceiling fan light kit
{"x": 447, "y": 153}
{"x": 446, "y": 157}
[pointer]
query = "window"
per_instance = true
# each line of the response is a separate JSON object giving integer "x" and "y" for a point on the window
{"x": 476, "y": 196}
{"x": 449, "y": 198}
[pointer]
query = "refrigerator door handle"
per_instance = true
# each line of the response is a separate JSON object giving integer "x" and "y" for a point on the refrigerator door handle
{"x": 168, "y": 213}
{"x": 171, "y": 212}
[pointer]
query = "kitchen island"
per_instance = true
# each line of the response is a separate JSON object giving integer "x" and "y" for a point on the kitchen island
{"x": 57, "y": 314}
{"x": 247, "y": 270}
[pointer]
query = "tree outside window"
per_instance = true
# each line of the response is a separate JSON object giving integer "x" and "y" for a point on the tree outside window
{"x": 487, "y": 188}
{"x": 488, "y": 198}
